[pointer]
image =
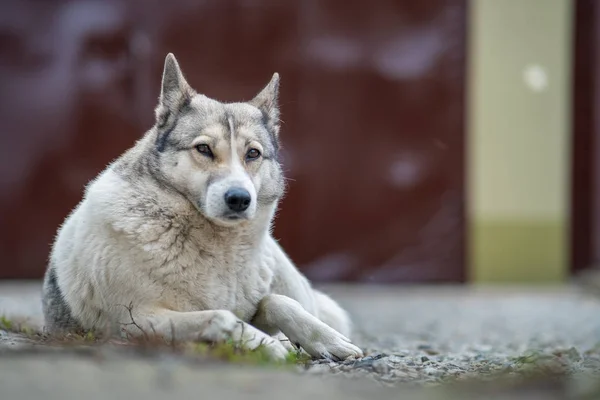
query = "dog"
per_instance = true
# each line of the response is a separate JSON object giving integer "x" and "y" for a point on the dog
{"x": 174, "y": 237}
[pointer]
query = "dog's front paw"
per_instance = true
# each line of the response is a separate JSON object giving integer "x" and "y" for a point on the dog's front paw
{"x": 254, "y": 339}
{"x": 328, "y": 343}
{"x": 285, "y": 342}
{"x": 338, "y": 350}
{"x": 275, "y": 349}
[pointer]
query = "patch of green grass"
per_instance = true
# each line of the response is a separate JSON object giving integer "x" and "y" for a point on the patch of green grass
{"x": 529, "y": 368}
{"x": 13, "y": 326}
{"x": 538, "y": 363}
{"x": 5, "y": 323}
{"x": 298, "y": 357}
{"x": 231, "y": 351}
{"x": 21, "y": 328}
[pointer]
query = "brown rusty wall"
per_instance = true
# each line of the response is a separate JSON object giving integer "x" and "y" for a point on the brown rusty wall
{"x": 585, "y": 155}
{"x": 372, "y": 103}
{"x": 584, "y": 168}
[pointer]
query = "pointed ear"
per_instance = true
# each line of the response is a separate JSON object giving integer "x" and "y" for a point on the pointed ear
{"x": 175, "y": 91}
{"x": 267, "y": 102}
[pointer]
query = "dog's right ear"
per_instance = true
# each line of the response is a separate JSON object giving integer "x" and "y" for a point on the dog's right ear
{"x": 267, "y": 102}
{"x": 175, "y": 92}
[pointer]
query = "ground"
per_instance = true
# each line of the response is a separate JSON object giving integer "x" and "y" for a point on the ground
{"x": 413, "y": 337}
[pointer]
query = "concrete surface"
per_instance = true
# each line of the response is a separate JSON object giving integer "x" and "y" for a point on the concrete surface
{"x": 408, "y": 332}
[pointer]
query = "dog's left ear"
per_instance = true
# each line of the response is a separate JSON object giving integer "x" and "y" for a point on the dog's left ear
{"x": 267, "y": 101}
{"x": 175, "y": 91}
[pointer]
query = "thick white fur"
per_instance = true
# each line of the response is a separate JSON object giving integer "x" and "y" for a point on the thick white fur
{"x": 115, "y": 249}
{"x": 139, "y": 255}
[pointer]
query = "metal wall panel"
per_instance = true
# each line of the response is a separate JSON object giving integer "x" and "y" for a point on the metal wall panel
{"x": 372, "y": 103}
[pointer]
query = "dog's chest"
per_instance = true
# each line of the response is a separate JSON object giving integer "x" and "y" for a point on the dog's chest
{"x": 202, "y": 277}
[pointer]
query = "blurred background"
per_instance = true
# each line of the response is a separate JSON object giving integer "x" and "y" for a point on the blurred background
{"x": 430, "y": 141}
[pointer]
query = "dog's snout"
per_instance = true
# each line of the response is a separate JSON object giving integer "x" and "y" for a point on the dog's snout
{"x": 237, "y": 199}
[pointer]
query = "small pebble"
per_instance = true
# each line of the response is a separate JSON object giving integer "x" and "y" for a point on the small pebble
{"x": 381, "y": 366}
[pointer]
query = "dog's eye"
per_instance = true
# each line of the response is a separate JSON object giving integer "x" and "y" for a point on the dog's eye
{"x": 252, "y": 154}
{"x": 204, "y": 149}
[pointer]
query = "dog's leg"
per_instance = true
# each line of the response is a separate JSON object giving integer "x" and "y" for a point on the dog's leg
{"x": 282, "y": 313}
{"x": 210, "y": 326}
{"x": 330, "y": 312}
{"x": 285, "y": 341}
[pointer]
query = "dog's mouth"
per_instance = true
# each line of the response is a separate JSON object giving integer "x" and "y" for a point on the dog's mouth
{"x": 235, "y": 217}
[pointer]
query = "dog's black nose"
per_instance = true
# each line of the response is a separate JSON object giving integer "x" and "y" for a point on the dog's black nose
{"x": 237, "y": 199}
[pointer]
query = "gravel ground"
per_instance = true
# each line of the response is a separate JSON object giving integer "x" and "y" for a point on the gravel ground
{"x": 413, "y": 337}
{"x": 429, "y": 335}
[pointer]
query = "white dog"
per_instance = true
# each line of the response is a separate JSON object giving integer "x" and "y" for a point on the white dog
{"x": 176, "y": 234}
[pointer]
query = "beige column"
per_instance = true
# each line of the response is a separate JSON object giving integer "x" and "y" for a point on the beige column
{"x": 518, "y": 139}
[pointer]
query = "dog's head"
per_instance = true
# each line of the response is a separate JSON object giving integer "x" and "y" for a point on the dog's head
{"x": 221, "y": 156}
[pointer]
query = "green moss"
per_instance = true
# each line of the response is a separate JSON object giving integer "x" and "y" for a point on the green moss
{"x": 15, "y": 326}
{"x": 231, "y": 351}
{"x": 5, "y": 323}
